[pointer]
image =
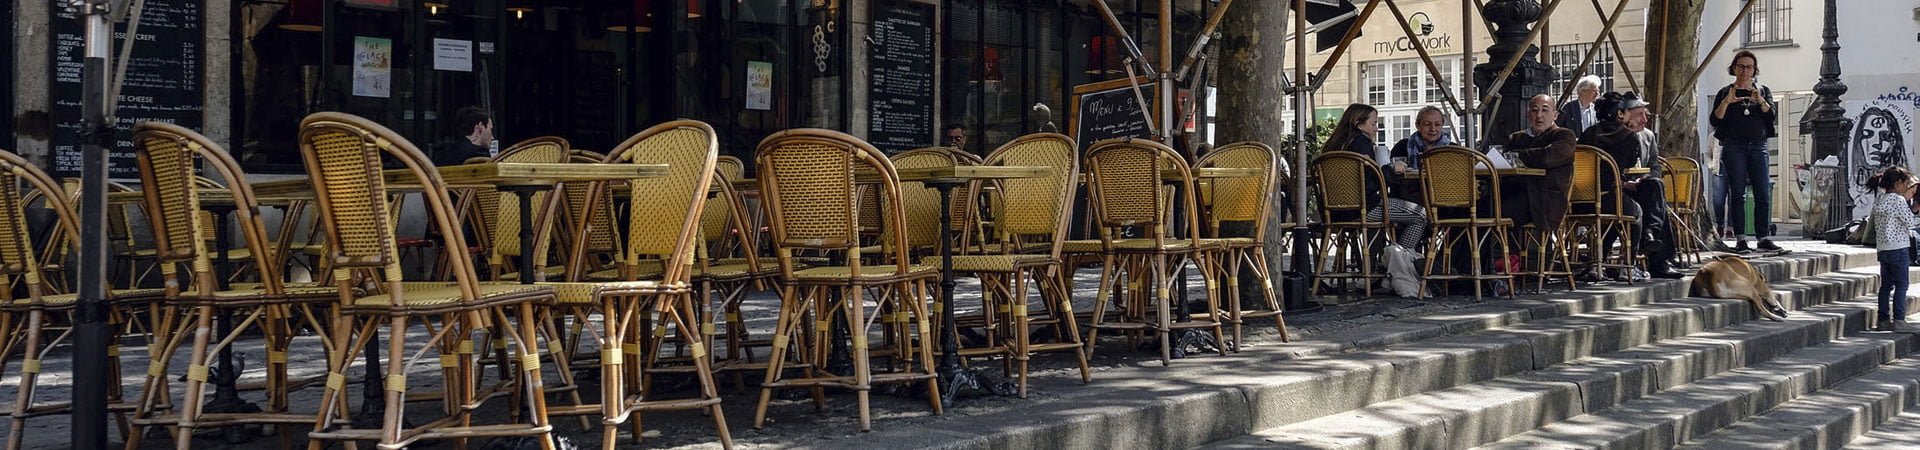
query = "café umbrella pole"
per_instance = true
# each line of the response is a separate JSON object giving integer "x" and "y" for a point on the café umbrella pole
{"x": 91, "y": 331}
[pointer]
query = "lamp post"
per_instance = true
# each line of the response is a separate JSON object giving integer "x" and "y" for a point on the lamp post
{"x": 1830, "y": 123}
{"x": 1529, "y": 78}
{"x": 91, "y": 332}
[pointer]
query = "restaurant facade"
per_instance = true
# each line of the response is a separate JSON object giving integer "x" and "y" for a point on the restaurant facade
{"x": 244, "y": 72}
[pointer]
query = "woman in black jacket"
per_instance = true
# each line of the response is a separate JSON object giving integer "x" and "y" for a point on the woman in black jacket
{"x": 1743, "y": 119}
{"x": 1354, "y": 133}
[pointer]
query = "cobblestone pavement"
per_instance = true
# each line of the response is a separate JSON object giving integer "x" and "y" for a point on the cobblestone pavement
{"x": 791, "y": 422}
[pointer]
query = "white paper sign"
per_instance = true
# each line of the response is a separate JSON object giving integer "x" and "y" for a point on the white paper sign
{"x": 372, "y": 67}
{"x": 452, "y": 55}
{"x": 759, "y": 85}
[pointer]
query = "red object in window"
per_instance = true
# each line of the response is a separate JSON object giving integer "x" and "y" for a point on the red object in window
{"x": 993, "y": 64}
{"x": 1096, "y": 58}
{"x": 636, "y": 20}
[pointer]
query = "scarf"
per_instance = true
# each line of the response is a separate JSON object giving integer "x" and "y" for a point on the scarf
{"x": 1416, "y": 145}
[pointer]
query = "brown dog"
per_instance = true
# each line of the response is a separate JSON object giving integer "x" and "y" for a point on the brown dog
{"x": 1732, "y": 278}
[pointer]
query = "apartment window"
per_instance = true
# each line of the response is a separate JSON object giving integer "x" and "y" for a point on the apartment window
{"x": 1566, "y": 59}
{"x": 1399, "y": 89}
{"x": 1768, "y": 22}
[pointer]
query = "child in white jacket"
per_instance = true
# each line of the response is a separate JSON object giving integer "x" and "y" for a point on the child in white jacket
{"x": 1893, "y": 221}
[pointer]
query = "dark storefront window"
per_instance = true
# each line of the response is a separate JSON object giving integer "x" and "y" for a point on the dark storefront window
{"x": 594, "y": 72}
{"x": 6, "y": 88}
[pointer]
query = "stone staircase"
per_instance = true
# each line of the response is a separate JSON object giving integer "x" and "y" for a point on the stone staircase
{"x": 1637, "y": 366}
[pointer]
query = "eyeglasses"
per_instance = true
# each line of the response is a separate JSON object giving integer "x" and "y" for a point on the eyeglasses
{"x": 1743, "y": 66}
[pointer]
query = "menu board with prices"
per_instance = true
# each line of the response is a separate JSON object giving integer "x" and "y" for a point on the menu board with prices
{"x": 163, "y": 82}
{"x": 900, "y": 102}
{"x": 1109, "y": 109}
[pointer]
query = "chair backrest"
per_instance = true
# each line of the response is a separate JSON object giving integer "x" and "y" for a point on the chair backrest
{"x": 1128, "y": 187}
{"x": 1039, "y": 206}
{"x": 715, "y": 222}
{"x": 342, "y": 153}
{"x": 1682, "y": 178}
{"x": 590, "y": 231}
{"x": 504, "y": 228}
{"x": 689, "y": 148}
{"x": 1594, "y": 172}
{"x": 1342, "y": 178}
{"x": 1449, "y": 181}
{"x": 168, "y": 156}
{"x": 1242, "y": 199}
{"x": 807, "y": 179}
{"x": 923, "y": 203}
{"x": 16, "y": 246}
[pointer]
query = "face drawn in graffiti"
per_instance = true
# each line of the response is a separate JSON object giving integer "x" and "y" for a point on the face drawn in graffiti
{"x": 1877, "y": 143}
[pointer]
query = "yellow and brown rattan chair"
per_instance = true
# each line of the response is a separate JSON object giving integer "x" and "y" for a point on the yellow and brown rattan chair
{"x": 657, "y": 266}
{"x": 503, "y": 244}
{"x": 1141, "y": 246}
{"x": 169, "y": 156}
{"x": 1454, "y": 211}
{"x": 1682, "y": 179}
{"x": 807, "y": 183}
{"x": 1596, "y": 209}
{"x": 25, "y": 319}
{"x": 1243, "y": 201}
{"x": 1030, "y": 223}
{"x": 1346, "y": 250}
{"x": 343, "y": 155}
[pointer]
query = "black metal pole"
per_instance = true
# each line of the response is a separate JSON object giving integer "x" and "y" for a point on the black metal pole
{"x": 92, "y": 334}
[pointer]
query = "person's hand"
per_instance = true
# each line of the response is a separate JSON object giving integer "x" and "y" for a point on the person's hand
{"x": 1399, "y": 167}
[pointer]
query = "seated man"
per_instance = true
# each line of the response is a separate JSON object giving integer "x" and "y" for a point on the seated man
{"x": 1542, "y": 201}
{"x": 1630, "y": 145}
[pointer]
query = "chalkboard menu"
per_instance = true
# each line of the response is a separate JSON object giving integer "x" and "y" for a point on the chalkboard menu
{"x": 1108, "y": 110}
{"x": 162, "y": 81}
{"x": 900, "y": 104}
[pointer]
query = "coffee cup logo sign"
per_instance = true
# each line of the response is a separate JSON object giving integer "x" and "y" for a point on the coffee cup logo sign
{"x": 1422, "y": 25}
{"x": 1882, "y": 136}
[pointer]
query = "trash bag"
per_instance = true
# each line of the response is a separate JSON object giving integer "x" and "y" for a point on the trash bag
{"x": 1403, "y": 270}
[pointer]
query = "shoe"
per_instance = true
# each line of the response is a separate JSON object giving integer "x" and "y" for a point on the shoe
{"x": 1899, "y": 325}
{"x": 1742, "y": 247}
{"x": 1591, "y": 276}
{"x": 1767, "y": 245}
{"x": 1884, "y": 325}
{"x": 1637, "y": 275}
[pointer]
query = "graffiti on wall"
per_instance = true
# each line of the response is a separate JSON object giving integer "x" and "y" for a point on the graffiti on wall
{"x": 1883, "y": 135}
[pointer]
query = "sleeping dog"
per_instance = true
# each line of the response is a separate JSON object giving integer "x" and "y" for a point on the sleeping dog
{"x": 1732, "y": 278}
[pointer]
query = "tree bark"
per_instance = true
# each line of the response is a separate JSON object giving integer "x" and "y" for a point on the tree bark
{"x": 1251, "y": 97}
{"x": 1673, "y": 29}
{"x": 1674, "y": 42}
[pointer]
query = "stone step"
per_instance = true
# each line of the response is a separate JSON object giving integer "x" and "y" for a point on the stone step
{"x": 1901, "y": 432}
{"x": 1487, "y": 411}
{"x": 1668, "y": 418}
{"x": 1830, "y": 418}
{"x": 1269, "y": 386}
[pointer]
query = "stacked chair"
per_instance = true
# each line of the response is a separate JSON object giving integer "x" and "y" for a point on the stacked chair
{"x": 808, "y": 181}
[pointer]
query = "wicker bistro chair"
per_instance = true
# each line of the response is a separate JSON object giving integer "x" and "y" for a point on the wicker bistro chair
{"x": 1127, "y": 184}
{"x": 343, "y": 156}
{"x": 1342, "y": 179}
{"x": 807, "y": 184}
{"x": 23, "y": 318}
{"x": 592, "y": 237}
{"x": 168, "y": 155}
{"x": 1031, "y": 213}
{"x": 1597, "y": 209}
{"x": 1454, "y": 201}
{"x": 504, "y": 242}
{"x": 662, "y": 238}
{"x": 1682, "y": 179}
{"x": 1244, "y": 201}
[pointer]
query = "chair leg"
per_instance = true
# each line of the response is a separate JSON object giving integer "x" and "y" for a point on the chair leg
{"x": 29, "y": 372}
{"x": 1100, "y": 302}
{"x": 1161, "y": 299}
{"x": 789, "y": 315}
{"x": 682, "y": 311}
{"x": 1061, "y": 308}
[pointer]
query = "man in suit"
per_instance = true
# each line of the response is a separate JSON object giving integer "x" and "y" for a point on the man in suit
{"x": 1579, "y": 113}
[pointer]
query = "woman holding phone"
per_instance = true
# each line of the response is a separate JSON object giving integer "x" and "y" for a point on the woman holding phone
{"x": 1743, "y": 119}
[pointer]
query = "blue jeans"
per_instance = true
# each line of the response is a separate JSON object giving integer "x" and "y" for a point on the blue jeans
{"x": 1746, "y": 166}
{"x": 1893, "y": 284}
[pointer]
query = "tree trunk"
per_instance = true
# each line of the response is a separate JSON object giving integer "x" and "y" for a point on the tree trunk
{"x": 1251, "y": 98}
{"x": 1673, "y": 43}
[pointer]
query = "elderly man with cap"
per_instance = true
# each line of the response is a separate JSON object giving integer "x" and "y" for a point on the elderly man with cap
{"x": 1623, "y": 134}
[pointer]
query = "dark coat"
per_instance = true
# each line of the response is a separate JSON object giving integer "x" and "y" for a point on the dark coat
{"x": 1545, "y": 196}
{"x": 1570, "y": 116}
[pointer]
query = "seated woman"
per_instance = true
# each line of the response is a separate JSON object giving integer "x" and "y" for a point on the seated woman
{"x": 1622, "y": 133}
{"x": 1431, "y": 132}
{"x": 1354, "y": 133}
